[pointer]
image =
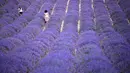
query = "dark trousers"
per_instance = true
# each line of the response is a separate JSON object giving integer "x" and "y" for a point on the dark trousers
{"x": 45, "y": 21}
{"x": 20, "y": 13}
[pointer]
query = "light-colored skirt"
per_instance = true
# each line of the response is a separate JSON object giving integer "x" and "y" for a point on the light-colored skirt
{"x": 47, "y": 18}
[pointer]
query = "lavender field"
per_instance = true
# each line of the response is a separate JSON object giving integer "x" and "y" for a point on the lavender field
{"x": 81, "y": 36}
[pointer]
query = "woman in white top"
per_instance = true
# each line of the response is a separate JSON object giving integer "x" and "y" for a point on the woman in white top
{"x": 46, "y": 16}
{"x": 20, "y": 10}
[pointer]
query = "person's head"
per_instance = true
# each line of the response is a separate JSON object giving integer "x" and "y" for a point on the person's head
{"x": 45, "y": 11}
{"x": 19, "y": 7}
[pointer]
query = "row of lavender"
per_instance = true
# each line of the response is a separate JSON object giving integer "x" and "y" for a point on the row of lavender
{"x": 22, "y": 34}
{"x": 89, "y": 52}
{"x": 59, "y": 57}
{"x": 114, "y": 45}
{"x": 120, "y": 23}
{"x": 17, "y": 25}
{"x": 3, "y": 2}
{"x": 9, "y": 12}
{"x": 97, "y": 49}
{"x": 125, "y": 5}
{"x": 27, "y": 57}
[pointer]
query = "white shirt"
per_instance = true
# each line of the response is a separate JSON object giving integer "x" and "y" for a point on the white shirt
{"x": 46, "y": 16}
{"x": 20, "y": 9}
